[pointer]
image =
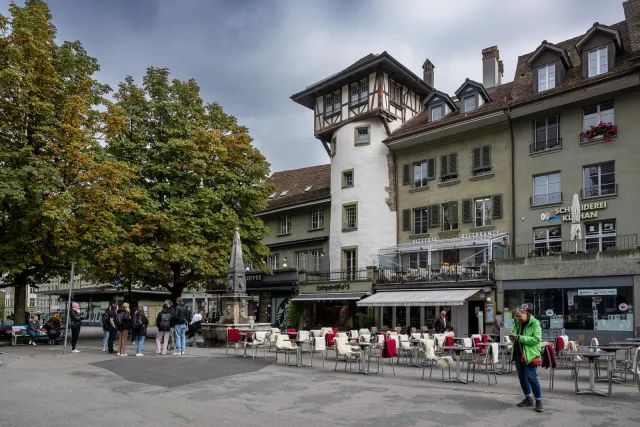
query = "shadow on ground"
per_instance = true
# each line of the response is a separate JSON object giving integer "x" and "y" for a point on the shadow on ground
{"x": 179, "y": 371}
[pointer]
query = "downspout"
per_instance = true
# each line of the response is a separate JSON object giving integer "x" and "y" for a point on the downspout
{"x": 513, "y": 187}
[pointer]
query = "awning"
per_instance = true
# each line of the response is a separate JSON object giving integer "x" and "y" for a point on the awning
{"x": 336, "y": 296}
{"x": 418, "y": 298}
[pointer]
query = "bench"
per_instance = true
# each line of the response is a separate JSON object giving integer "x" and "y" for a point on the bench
{"x": 21, "y": 332}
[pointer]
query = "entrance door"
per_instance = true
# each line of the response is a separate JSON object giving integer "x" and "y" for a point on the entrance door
{"x": 475, "y": 307}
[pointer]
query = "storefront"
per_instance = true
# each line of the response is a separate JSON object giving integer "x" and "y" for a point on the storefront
{"x": 332, "y": 304}
{"x": 599, "y": 307}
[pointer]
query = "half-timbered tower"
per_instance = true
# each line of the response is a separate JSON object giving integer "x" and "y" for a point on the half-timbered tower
{"x": 354, "y": 111}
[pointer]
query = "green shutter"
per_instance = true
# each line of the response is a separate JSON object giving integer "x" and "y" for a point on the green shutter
{"x": 497, "y": 206}
{"x": 486, "y": 156}
{"x": 466, "y": 211}
{"x": 434, "y": 215}
{"x": 453, "y": 163}
{"x": 453, "y": 212}
{"x": 431, "y": 169}
{"x": 477, "y": 161}
{"x": 406, "y": 219}
{"x": 406, "y": 175}
{"x": 444, "y": 165}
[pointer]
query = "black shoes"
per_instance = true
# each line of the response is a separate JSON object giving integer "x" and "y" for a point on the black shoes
{"x": 527, "y": 402}
{"x": 539, "y": 407}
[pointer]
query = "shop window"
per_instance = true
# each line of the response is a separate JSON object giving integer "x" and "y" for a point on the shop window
{"x": 450, "y": 256}
{"x": 480, "y": 256}
{"x": 600, "y": 235}
{"x": 547, "y": 240}
{"x": 418, "y": 260}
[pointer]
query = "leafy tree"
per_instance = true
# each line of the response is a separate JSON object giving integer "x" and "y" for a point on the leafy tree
{"x": 203, "y": 178}
{"x": 60, "y": 194}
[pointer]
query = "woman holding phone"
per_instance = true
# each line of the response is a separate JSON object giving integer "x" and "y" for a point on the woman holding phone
{"x": 527, "y": 336}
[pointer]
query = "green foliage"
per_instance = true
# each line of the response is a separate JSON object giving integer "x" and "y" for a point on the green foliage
{"x": 366, "y": 320}
{"x": 294, "y": 314}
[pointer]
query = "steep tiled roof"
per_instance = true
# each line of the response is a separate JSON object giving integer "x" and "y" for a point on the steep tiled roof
{"x": 295, "y": 181}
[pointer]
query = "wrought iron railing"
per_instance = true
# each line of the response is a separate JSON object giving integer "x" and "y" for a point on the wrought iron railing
{"x": 545, "y": 199}
{"x": 540, "y": 146}
{"x": 599, "y": 190}
{"x": 564, "y": 247}
{"x": 436, "y": 273}
{"x": 337, "y": 275}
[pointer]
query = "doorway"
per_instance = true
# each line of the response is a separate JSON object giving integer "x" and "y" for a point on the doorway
{"x": 475, "y": 307}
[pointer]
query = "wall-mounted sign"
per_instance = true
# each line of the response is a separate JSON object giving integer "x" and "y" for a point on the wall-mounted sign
{"x": 587, "y": 211}
{"x": 596, "y": 292}
{"x": 525, "y": 306}
{"x": 253, "y": 277}
{"x": 333, "y": 287}
{"x": 546, "y": 216}
{"x": 549, "y": 312}
{"x": 457, "y": 235}
{"x": 623, "y": 307}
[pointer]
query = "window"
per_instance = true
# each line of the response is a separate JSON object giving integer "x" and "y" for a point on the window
{"x": 395, "y": 92}
{"x": 546, "y": 134}
{"x": 347, "y": 179}
{"x": 546, "y": 77}
{"x": 449, "y": 216}
{"x": 420, "y": 220}
{"x": 600, "y": 235}
{"x": 332, "y": 103}
{"x": 480, "y": 256}
{"x": 482, "y": 212}
{"x": 350, "y": 216}
{"x": 359, "y": 91}
{"x": 285, "y": 225}
{"x": 599, "y": 180}
{"x": 596, "y": 114}
{"x": 362, "y": 136}
{"x": 418, "y": 260}
{"x": 598, "y": 61}
{"x": 317, "y": 219}
{"x": 449, "y": 167}
{"x": 32, "y": 302}
{"x": 334, "y": 147}
{"x": 469, "y": 103}
{"x": 284, "y": 193}
{"x": 350, "y": 262}
{"x": 547, "y": 189}
{"x": 547, "y": 240}
{"x": 420, "y": 174}
{"x": 272, "y": 195}
{"x": 273, "y": 261}
{"x": 482, "y": 160}
{"x": 436, "y": 112}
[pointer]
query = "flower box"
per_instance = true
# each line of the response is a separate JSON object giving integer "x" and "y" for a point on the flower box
{"x": 606, "y": 131}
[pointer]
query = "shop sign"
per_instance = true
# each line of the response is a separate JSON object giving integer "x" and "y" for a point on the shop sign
{"x": 458, "y": 235}
{"x": 623, "y": 307}
{"x": 252, "y": 278}
{"x": 596, "y": 292}
{"x": 587, "y": 211}
{"x": 339, "y": 287}
{"x": 549, "y": 312}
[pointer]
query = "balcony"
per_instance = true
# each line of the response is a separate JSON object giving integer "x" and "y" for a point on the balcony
{"x": 599, "y": 191}
{"x": 545, "y": 199}
{"x": 568, "y": 247}
{"x": 336, "y": 276}
{"x": 437, "y": 273}
{"x": 542, "y": 146}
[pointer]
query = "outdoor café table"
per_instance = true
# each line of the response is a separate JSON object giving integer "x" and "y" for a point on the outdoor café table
{"x": 415, "y": 350}
{"x": 613, "y": 349}
{"x": 458, "y": 350}
{"x": 592, "y": 356}
{"x": 364, "y": 348}
{"x": 300, "y": 343}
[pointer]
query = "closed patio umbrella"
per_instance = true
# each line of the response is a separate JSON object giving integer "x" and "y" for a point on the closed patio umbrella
{"x": 576, "y": 229}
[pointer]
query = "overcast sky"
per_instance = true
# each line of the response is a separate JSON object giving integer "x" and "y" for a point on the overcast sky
{"x": 250, "y": 56}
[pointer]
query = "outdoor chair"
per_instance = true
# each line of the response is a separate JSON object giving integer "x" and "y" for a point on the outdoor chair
{"x": 348, "y": 354}
{"x": 635, "y": 368}
{"x": 416, "y": 335}
{"x": 489, "y": 361}
{"x": 292, "y": 333}
{"x": 431, "y": 359}
{"x": 376, "y": 353}
{"x": 405, "y": 350}
{"x": 317, "y": 333}
{"x": 390, "y": 351}
{"x": 275, "y": 332}
{"x": 259, "y": 340}
{"x": 233, "y": 337}
{"x": 319, "y": 347}
{"x": 353, "y": 335}
{"x": 330, "y": 342}
{"x": 550, "y": 361}
{"x": 285, "y": 346}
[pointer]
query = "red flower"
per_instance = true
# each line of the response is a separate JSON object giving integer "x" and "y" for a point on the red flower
{"x": 606, "y": 138}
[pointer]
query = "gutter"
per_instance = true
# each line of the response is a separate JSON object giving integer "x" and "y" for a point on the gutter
{"x": 293, "y": 206}
{"x": 513, "y": 180}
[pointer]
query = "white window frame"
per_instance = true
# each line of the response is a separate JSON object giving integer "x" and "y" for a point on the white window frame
{"x": 538, "y": 145}
{"x": 32, "y": 302}
{"x": 273, "y": 261}
{"x": 589, "y": 193}
{"x": 547, "y": 196}
{"x": 345, "y": 175}
{"x": 418, "y": 260}
{"x": 436, "y": 109}
{"x": 595, "y": 58}
{"x": 467, "y": 98}
{"x": 422, "y": 221}
{"x": 284, "y": 225}
{"x": 607, "y": 117}
{"x": 420, "y": 177}
{"x": 317, "y": 219}
{"x": 350, "y": 257}
{"x": 350, "y": 209}
{"x": 395, "y": 92}
{"x": 545, "y": 242}
{"x": 453, "y": 223}
{"x": 485, "y": 204}
{"x": 361, "y": 132}
{"x": 546, "y": 77}
{"x": 601, "y": 238}
{"x": 359, "y": 91}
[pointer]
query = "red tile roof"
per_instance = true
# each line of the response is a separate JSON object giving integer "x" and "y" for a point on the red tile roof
{"x": 295, "y": 181}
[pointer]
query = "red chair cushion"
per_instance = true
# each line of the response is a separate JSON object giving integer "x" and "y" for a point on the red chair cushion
{"x": 390, "y": 349}
{"x": 233, "y": 335}
{"x": 480, "y": 348}
{"x": 290, "y": 330}
{"x": 485, "y": 338}
{"x": 448, "y": 341}
{"x": 335, "y": 330}
{"x": 559, "y": 344}
{"x": 330, "y": 339}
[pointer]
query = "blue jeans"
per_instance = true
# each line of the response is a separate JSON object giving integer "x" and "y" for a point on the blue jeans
{"x": 105, "y": 338}
{"x": 140, "y": 342}
{"x": 34, "y": 335}
{"x": 181, "y": 337}
{"x": 528, "y": 379}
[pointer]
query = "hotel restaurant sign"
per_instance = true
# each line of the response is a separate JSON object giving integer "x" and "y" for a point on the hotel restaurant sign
{"x": 335, "y": 287}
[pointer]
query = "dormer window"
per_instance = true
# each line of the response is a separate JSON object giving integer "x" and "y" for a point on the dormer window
{"x": 598, "y": 61}
{"x": 546, "y": 77}
{"x": 359, "y": 91}
{"x": 308, "y": 188}
{"x": 272, "y": 195}
{"x": 284, "y": 193}
{"x": 469, "y": 103}
{"x": 436, "y": 112}
{"x": 332, "y": 103}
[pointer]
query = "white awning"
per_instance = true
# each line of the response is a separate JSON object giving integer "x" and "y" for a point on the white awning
{"x": 329, "y": 296}
{"x": 418, "y": 298}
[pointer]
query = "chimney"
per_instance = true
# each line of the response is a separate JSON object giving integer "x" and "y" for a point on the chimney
{"x": 632, "y": 16}
{"x": 428, "y": 72}
{"x": 491, "y": 65}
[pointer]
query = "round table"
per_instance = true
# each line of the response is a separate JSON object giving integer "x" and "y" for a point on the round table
{"x": 458, "y": 350}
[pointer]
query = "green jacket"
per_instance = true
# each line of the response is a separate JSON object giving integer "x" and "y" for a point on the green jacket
{"x": 530, "y": 340}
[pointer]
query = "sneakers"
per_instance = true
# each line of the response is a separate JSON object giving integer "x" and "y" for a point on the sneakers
{"x": 75, "y": 351}
{"x": 183, "y": 353}
{"x": 539, "y": 407}
{"x": 124, "y": 354}
{"x": 177, "y": 353}
{"x": 139, "y": 355}
{"x": 104, "y": 349}
{"x": 30, "y": 342}
{"x": 527, "y": 402}
{"x": 33, "y": 343}
{"x": 118, "y": 353}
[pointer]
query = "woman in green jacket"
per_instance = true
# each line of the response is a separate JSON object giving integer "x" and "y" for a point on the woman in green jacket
{"x": 527, "y": 336}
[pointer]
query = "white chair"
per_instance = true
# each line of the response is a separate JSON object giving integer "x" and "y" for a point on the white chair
{"x": 273, "y": 337}
{"x": 283, "y": 345}
{"x": 259, "y": 340}
{"x": 353, "y": 335}
{"x": 304, "y": 336}
{"x": 316, "y": 333}
{"x": 430, "y": 356}
{"x": 319, "y": 347}
{"x": 404, "y": 350}
{"x": 349, "y": 355}
{"x": 375, "y": 352}
{"x": 489, "y": 362}
{"x": 416, "y": 335}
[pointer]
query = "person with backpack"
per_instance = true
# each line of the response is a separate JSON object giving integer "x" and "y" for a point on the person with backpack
{"x": 140, "y": 323}
{"x": 172, "y": 311}
{"x": 105, "y": 328}
{"x": 163, "y": 322}
{"x": 180, "y": 323}
{"x": 123, "y": 322}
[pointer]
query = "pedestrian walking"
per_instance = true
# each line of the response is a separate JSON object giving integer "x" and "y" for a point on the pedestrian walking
{"x": 140, "y": 323}
{"x": 113, "y": 329}
{"x": 33, "y": 328}
{"x": 163, "y": 322}
{"x": 195, "y": 327}
{"x": 105, "y": 328}
{"x": 172, "y": 343}
{"x": 527, "y": 336}
{"x": 498, "y": 323}
{"x": 75, "y": 324}
{"x": 123, "y": 321}
{"x": 180, "y": 326}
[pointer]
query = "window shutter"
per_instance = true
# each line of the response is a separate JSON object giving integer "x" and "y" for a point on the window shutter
{"x": 406, "y": 175}
{"x": 444, "y": 166}
{"x": 406, "y": 220}
{"x": 497, "y": 206}
{"x": 453, "y": 163}
{"x": 486, "y": 156}
{"x": 453, "y": 211}
{"x": 477, "y": 162}
{"x": 431, "y": 169}
{"x": 466, "y": 211}
{"x": 434, "y": 215}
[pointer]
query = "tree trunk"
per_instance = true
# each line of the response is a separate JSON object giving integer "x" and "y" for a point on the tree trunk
{"x": 20, "y": 298}
{"x": 178, "y": 284}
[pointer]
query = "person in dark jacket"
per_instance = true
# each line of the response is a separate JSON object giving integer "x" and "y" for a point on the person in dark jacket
{"x": 33, "y": 328}
{"x": 113, "y": 330}
{"x": 441, "y": 323}
{"x": 163, "y": 322}
{"x": 172, "y": 310}
{"x": 180, "y": 326}
{"x": 140, "y": 323}
{"x": 74, "y": 325}
{"x": 124, "y": 324}
{"x": 105, "y": 328}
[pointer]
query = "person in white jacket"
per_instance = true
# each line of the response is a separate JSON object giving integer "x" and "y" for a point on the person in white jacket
{"x": 195, "y": 326}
